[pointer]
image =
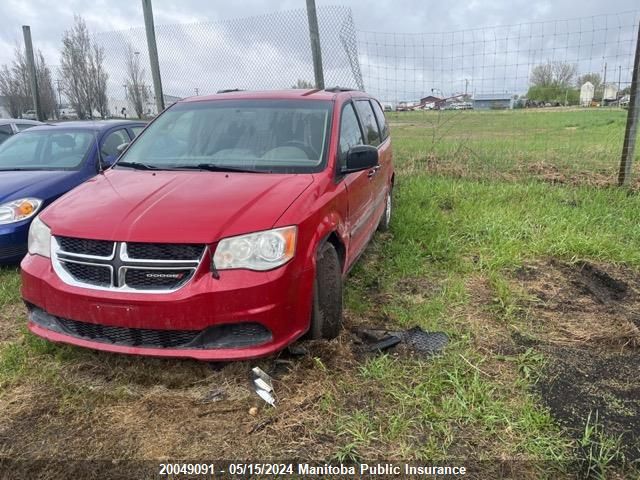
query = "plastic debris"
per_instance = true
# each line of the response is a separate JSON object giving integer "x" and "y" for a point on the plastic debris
{"x": 415, "y": 339}
{"x": 263, "y": 386}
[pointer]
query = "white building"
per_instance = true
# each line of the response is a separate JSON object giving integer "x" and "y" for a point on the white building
{"x": 586, "y": 94}
{"x": 610, "y": 92}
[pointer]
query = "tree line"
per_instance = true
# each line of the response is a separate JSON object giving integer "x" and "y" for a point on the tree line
{"x": 82, "y": 79}
{"x": 559, "y": 83}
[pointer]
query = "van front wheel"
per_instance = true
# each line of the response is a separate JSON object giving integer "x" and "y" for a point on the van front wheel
{"x": 326, "y": 316}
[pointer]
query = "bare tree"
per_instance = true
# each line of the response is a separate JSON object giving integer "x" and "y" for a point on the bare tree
{"x": 137, "y": 92}
{"x": 15, "y": 84}
{"x": 553, "y": 74}
{"x": 303, "y": 84}
{"x": 542, "y": 75}
{"x": 84, "y": 80}
{"x": 594, "y": 78}
{"x": 47, "y": 93}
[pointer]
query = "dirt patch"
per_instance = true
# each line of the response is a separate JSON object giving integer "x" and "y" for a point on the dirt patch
{"x": 124, "y": 409}
{"x": 585, "y": 319}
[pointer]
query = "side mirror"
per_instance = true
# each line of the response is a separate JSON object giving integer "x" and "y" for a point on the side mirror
{"x": 121, "y": 147}
{"x": 361, "y": 157}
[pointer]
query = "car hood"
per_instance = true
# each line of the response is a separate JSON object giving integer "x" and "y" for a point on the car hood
{"x": 173, "y": 207}
{"x": 39, "y": 184}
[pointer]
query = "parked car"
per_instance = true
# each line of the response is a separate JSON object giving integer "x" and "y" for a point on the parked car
{"x": 30, "y": 115}
{"x": 42, "y": 163}
{"x": 11, "y": 126}
{"x": 223, "y": 232}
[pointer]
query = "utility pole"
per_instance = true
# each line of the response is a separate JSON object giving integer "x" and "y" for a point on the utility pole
{"x": 153, "y": 53}
{"x": 633, "y": 118}
{"x": 316, "y": 51}
{"x": 59, "y": 92}
{"x": 26, "y": 31}
{"x": 604, "y": 84}
{"x": 619, "y": 77}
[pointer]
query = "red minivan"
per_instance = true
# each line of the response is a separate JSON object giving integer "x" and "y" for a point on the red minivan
{"x": 223, "y": 232}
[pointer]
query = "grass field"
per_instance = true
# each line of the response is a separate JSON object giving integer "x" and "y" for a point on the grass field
{"x": 535, "y": 282}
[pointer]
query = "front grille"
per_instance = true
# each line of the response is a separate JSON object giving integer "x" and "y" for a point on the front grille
{"x": 92, "y": 274}
{"x": 235, "y": 335}
{"x": 81, "y": 246}
{"x": 164, "y": 251}
{"x": 133, "y": 337}
{"x": 136, "y": 267}
{"x": 156, "y": 279}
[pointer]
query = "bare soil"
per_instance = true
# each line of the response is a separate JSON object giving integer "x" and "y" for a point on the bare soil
{"x": 585, "y": 319}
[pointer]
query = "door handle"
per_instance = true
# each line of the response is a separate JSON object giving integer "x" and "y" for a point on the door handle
{"x": 373, "y": 171}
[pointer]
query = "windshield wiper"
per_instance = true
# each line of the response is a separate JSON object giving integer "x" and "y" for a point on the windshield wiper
{"x": 137, "y": 165}
{"x": 212, "y": 167}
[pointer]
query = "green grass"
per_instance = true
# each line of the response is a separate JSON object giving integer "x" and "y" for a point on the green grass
{"x": 520, "y": 143}
{"x": 447, "y": 232}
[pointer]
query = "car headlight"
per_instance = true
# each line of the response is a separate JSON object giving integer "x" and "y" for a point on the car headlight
{"x": 18, "y": 210}
{"x": 39, "y": 242}
{"x": 256, "y": 251}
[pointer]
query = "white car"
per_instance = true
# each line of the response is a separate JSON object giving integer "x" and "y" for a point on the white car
{"x": 11, "y": 126}
{"x": 30, "y": 115}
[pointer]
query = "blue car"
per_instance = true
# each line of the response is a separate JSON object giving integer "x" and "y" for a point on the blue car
{"x": 42, "y": 163}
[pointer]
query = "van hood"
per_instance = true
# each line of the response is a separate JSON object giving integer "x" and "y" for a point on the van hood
{"x": 35, "y": 183}
{"x": 173, "y": 207}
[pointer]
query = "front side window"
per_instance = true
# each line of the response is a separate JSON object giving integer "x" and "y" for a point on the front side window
{"x": 350, "y": 134}
{"x": 369, "y": 124}
{"x": 110, "y": 144}
{"x": 46, "y": 150}
{"x": 279, "y": 136}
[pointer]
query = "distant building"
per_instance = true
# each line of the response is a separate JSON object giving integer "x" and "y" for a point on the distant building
{"x": 431, "y": 101}
{"x": 493, "y": 101}
{"x": 610, "y": 92}
{"x": 586, "y": 94}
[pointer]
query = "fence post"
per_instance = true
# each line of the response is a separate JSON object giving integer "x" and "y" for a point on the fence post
{"x": 631, "y": 132}
{"x": 153, "y": 53}
{"x": 26, "y": 32}
{"x": 316, "y": 51}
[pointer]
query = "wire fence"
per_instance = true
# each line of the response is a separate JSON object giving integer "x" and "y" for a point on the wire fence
{"x": 543, "y": 99}
{"x": 540, "y": 99}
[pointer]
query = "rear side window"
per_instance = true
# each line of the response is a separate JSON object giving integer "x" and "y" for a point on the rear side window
{"x": 5, "y": 132}
{"x": 369, "y": 124}
{"x": 350, "y": 134}
{"x": 382, "y": 122}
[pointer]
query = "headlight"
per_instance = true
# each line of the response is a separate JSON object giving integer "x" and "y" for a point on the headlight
{"x": 39, "y": 238}
{"x": 257, "y": 251}
{"x": 17, "y": 210}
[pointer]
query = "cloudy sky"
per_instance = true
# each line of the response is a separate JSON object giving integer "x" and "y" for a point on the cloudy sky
{"x": 444, "y": 46}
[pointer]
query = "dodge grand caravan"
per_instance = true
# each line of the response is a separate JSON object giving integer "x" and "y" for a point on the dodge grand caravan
{"x": 224, "y": 231}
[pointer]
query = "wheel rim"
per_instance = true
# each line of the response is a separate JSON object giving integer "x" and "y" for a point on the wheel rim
{"x": 387, "y": 210}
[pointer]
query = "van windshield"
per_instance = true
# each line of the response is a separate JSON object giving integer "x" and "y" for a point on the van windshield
{"x": 280, "y": 136}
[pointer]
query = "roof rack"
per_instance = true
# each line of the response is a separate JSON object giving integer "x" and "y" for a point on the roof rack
{"x": 337, "y": 89}
{"x": 229, "y": 90}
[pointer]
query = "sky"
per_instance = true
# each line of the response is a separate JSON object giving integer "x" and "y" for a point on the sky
{"x": 404, "y": 48}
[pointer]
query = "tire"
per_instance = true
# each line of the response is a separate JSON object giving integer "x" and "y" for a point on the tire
{"x": 385, "y": 221}
{"x": 326, "y": 316}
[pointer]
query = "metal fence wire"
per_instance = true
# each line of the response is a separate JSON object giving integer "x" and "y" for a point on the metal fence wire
{"x": 262, "y": 52}
{"x": 452, "y": 96}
